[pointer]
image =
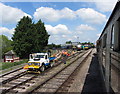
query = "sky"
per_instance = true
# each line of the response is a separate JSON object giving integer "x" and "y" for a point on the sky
{"x": 64, "y": 21}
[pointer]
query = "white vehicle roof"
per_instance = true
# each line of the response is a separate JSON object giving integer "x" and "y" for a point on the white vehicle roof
{"x": 79, "y": 45}
{"x": 40, "y": 54}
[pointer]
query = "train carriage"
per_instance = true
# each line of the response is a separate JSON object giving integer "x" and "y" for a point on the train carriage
{"x": 108, "y": 48}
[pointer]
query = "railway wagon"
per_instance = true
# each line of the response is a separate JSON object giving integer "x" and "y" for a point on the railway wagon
{"x": 79, "y": 47}
{"x": 108, "y": 50}
{"x": 86, "y": 46}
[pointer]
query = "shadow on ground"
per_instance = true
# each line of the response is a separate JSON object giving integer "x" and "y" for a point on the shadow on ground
{"x": 94, "y": 81}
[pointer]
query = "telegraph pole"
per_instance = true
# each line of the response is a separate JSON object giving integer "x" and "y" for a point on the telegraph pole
{"x": 78, "y": 39}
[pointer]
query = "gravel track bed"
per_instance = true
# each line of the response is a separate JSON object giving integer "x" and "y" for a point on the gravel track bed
{"x": 59, "y": 78}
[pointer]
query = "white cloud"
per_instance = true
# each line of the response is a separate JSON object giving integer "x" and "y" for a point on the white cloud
{"x": 58, "y": 29}
{"x": 99, "y": 34}
{"x": 91, "y": 16}
{"x": 87, "y": 14}
{"x": 70, "y": 39}
{"x": 6, "y": 30}
{"x": 50, "y": 14}
{"x": 88, "y": 39}
{"x": 64, "y": 36}
{"x": 75, "y": 36}
{"x": 47, "y": 14}
{"x": 82, "y": 28}
{"x": 10, "y": 14}
{"x": 67, "y": 13}
{"x": 106, "y": 5}
{"x": 61, "y": 33}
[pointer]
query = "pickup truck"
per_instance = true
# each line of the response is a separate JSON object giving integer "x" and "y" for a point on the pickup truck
{"x": 38, "y": 62}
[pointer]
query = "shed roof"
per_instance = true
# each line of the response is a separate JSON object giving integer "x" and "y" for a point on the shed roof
{"x": 11, "y": 52}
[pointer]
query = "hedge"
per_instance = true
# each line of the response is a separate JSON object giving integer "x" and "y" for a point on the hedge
{"x": 6, "y": 65}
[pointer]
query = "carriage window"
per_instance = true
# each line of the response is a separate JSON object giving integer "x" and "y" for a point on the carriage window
{"x": 104, "y": 40}
{"x": 100, "y": 43}
{"x": 112, "y": 38}
{"x": 116, "y": 36}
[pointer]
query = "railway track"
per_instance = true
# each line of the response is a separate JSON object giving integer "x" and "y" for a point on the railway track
{"x": 15, "y": 79}
{"x": 12, "y": 75}
{"x": 54, "y": 83}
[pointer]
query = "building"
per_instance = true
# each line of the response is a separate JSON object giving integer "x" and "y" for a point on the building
{"x": 10, "y": 56}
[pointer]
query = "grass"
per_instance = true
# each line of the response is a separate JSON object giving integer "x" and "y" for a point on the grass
{"x": 6, "y": 65}
{"x": 67, "y": 62}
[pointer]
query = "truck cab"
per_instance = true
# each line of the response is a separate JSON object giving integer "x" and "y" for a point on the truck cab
{"x": 39, "y": 57}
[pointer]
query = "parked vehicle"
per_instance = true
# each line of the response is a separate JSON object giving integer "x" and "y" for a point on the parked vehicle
{"x": 79, "y": 47}
{"x": 86, "y": 46}
{"x": 38, "y": 62}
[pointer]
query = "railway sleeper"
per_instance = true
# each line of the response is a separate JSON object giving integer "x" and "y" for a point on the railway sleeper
{"x": 11, "y": 88}
{"x": 15, "y": 82}
{"x": 8, "y": 85}
{"x": 44, "y": 90}
{"x": 61, "y": 77}
{"x": 53, "y": 83}
{"x": 50, "y": 86}
{"x": 31, "y": 82}
{"x": 26, "y": 84}
{"x": 22, "y": 87}
{"x": 12, "y": 91}
{"x": 10, "y": 78}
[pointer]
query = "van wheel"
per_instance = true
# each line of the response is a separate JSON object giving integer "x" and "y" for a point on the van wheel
{"x": 42, "y": 68}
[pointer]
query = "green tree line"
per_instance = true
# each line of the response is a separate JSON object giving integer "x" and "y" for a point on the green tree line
{"x": 51, "y": 46}
{"x": 70, "y": 42}
{"x": 5, "y": 45}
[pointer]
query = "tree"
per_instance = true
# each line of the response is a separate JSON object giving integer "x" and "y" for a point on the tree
{"x": 41, "y": 38}
{"x": 53, "y": 46}
{"x": 21, "y": 44}
{"x": 50, "y": 46}
{"x": 68, "y": 42}
{"x": 29, "y": 37}
{"x": 5, "y": 44}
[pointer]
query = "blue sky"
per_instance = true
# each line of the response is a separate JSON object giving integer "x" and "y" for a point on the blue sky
{"x": 64, "y": 21}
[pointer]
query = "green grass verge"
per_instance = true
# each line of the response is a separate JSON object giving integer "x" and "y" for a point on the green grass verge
{"x": 6, "y": 65}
